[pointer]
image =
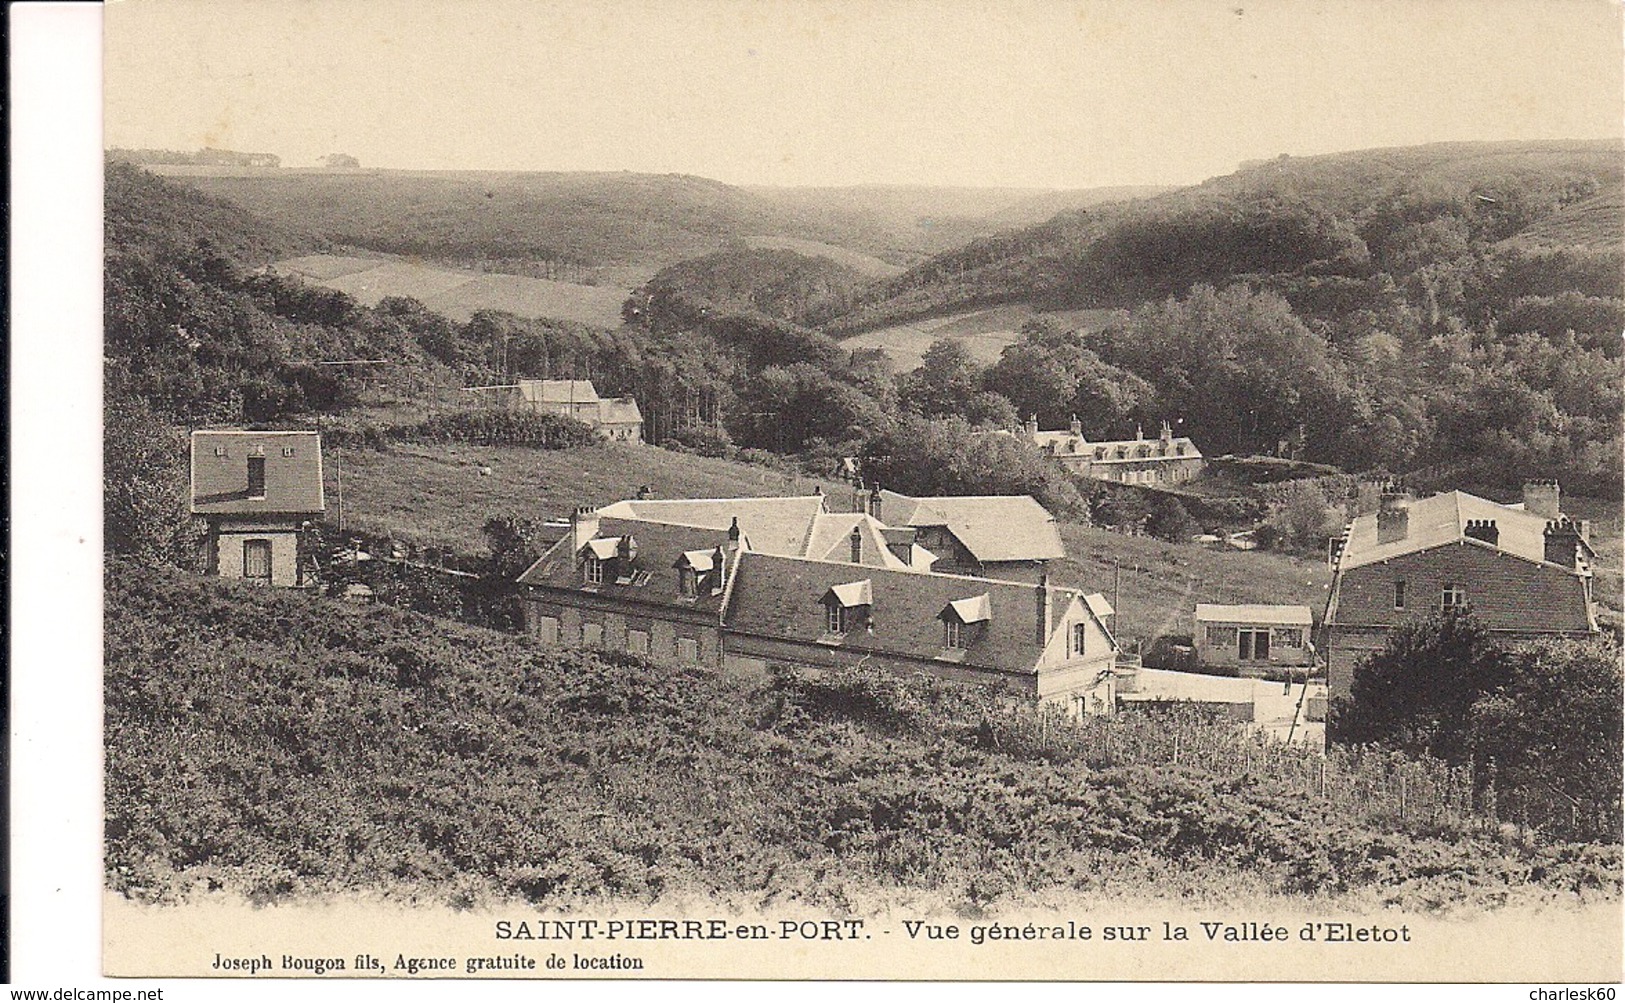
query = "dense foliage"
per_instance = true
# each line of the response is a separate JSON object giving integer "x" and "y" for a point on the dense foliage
{"x": 1545, "y": 717}
{"x": 271, "y": 744}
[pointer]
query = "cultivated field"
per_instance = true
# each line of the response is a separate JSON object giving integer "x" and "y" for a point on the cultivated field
{"x": 458, "y": 293}
{"x": 984, "y": 332}
{"x": 867, "y": 264}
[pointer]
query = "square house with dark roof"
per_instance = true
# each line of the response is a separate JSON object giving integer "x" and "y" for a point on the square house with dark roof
{"x": 1523, "y": 570}
{"x": 259, "y": 492}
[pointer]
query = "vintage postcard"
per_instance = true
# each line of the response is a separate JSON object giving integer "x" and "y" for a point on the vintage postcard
{"x": 706, "y": 489}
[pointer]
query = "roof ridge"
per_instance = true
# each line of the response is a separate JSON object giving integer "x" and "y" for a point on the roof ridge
{"x": 931, "y": 574}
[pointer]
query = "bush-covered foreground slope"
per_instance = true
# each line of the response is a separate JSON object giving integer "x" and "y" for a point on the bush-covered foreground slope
{"x": 271, "y": 744}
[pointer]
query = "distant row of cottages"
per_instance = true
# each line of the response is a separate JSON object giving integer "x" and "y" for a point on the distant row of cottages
{"x": 959, "y": 587}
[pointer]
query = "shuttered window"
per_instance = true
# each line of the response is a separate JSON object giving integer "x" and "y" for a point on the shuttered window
{"x": 257, "y": 559}
{"x": 688, "y": 651}
{"x": 592, "y": 634}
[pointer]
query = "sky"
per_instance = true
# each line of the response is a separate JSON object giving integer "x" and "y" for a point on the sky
{"x": 1023, "y": 93}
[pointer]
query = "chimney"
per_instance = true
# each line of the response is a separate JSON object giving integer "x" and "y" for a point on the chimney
{"x": 644, "y": 492}
{"x": 1562, "y": 542}
{"x": 1139, "y": 433}
{"x": 1031, "y": 428}
{"x": 1483, "y": 529}
{"x": 721, "y": 581}
{"x": 1393, "y": 516}
{"x": 857, "y": 545}
{"x": 875, "y": 502}
{"x": 583, "y": 527}
{"x": 1042, "y": 593}
{"x": 857, "y": 494}
{"x": 1541, "y": 497}
{"x": 1167, "y": 432}
{"x": 1076, "y": 426}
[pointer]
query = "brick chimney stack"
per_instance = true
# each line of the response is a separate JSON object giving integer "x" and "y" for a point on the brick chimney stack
{"x": 1393, "y": 515}
{"x": 1483, "y": 529}
{"x": 1562, "y": 542}
{"x": 875, "y": 502}
{"x": 857, "y": 545}
{"x": 1042, "y": 598}
{"x": 583, "y": 527}
{"x": 1542, "y": 497}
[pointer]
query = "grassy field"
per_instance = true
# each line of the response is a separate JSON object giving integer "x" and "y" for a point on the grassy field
{"x": 984, "y": 332}
{"x": 458, "y": 293}
{"x": 432, "y": 494}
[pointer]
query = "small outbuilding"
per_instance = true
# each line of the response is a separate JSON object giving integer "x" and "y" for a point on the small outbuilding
{"x": 1252, "y": 638}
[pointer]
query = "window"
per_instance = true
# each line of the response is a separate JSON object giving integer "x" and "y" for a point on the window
{"x": 1221, "y": 637}
{"x": 287, "y": 451}
{"x": 637, "y": 642}
{"x": 835, "y": 618}
{"x": 592, "y": 634}
{"x": 688, "y": 651}
{"x": 1399, "y": 594}
{"x": 257, "y": 560}
{"x": 1080, "y": 634}
{"x": 593, "y": 571}
{"x": 1287, "y": 637}
{"x": 955, "y": 634}
{"x": 256, "y": 477}
{"x": 548, "y": 628}
{"x": 1453, "y": 599}
{"x": 688, "y": 583}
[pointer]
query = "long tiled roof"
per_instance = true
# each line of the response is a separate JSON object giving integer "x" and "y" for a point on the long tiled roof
{"x": 1443, "y": 519}
{"x": 293, "y": 483}
{"x": 558, "y": 391}
{"x": 779, "y": 597}
{"x": 992, "y": 527}
{"x": 774, "y": 525}
{"x": 659, "y": 546}
{"x": 1257, "y": 613}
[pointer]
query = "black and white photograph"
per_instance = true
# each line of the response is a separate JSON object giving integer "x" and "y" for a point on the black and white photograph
{"x": 1065, "y": 490}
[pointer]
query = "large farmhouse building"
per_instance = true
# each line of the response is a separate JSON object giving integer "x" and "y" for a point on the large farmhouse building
{"x": 258, "y": 491}
{"x": 1167, "y": 459}
{"x": 752, "y": 584}
{"x": 617, "y": 419}
{"x": 1522, "y": 570}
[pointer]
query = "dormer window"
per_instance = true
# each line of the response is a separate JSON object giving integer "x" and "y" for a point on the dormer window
{"x": 592, "y": 570}
{"x": 961, "y": 619}
{"x": 595, "y": 555}
{"x": 256, "y": 477}
{"x": 845, "y": 606}
{"x": 695, "y": 568}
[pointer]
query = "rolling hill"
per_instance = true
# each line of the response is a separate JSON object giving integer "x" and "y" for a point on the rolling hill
{"x": 616, "y": 226}
{"x": 1313, "y": 220}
